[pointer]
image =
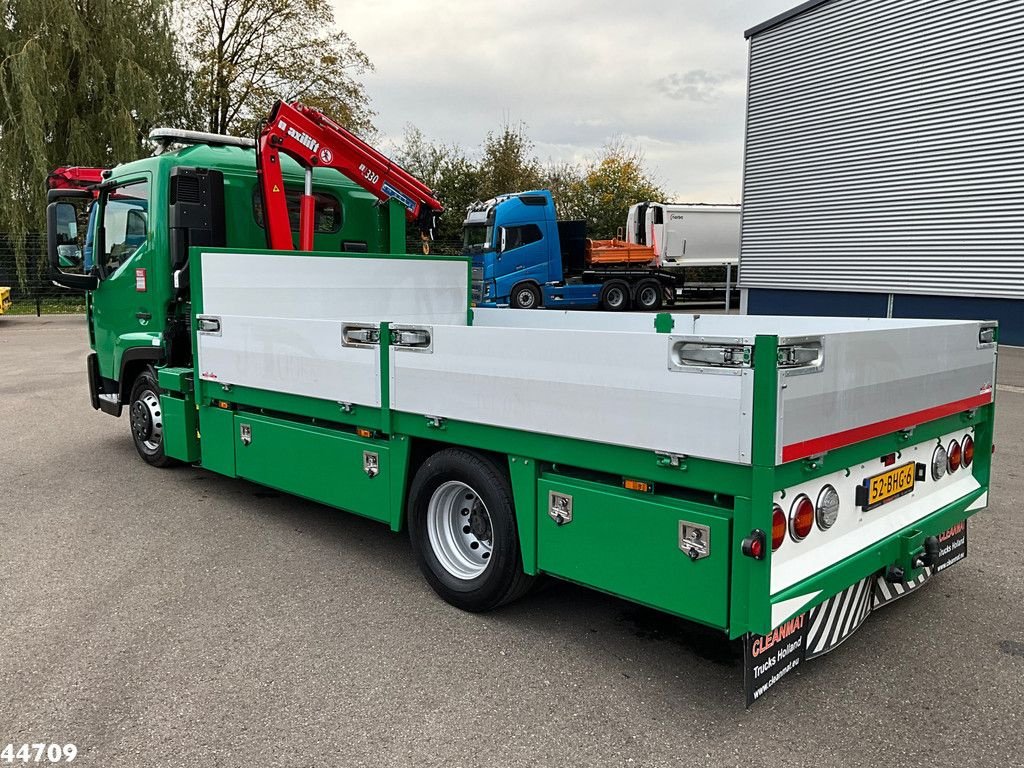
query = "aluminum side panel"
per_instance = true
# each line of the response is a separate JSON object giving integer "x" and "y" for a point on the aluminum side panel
{"x": 350, "y": 289}
{"x": 875, "y": 377}
{"x": 281, "y": 318}
{"x": 606, "y": 387}
{"x": 299, "y": 357}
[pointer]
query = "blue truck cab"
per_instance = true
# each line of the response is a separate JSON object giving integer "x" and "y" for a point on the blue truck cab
{"x": 524, "y": 257}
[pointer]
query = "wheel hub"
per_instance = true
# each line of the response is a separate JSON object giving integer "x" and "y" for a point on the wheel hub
{"x": 146, "y": 420}
{"x": 480, "y": 523}
{"x": 460, "y": 531}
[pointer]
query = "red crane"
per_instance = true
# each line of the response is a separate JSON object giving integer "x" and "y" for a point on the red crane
{"x": 74, "y": 177}
{"x": 312, "y": 139}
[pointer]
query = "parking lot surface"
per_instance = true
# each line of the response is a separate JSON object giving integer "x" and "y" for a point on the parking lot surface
{"x": 178, "y": 618}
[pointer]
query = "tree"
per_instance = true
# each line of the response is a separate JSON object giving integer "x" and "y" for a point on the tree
{"x": 612, "y": 181}
{"x": 448, "y": 171}
{"x": 508, "y": 163}
{"x": 248, "y": 53}
{"x": 82, "y": 83}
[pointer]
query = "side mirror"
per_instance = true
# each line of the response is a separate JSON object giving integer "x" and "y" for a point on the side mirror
{"x": 63, "y": 248}
{"x": 501, "y": 244}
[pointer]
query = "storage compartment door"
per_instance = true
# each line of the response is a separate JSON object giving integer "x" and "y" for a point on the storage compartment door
{"x": 324, "y": 465}
{"x": 637, "y": 546}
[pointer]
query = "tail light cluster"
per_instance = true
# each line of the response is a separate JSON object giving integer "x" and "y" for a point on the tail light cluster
{"x": 803, "y": 515}
{"x": 950, "y": 457}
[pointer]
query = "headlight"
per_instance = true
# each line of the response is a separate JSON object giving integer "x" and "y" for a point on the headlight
{"x": 826, "y": 511}
{"x": 939, "y": 461}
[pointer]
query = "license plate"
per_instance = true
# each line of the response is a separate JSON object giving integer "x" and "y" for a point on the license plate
{"x": 889, "y": 485}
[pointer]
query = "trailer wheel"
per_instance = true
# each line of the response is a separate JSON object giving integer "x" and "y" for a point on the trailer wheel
{"x": 648, "y": 295}
{"x": 525, "y": 296}
{"x": 145, "y": 416}
{"x": 615, "y": 296}
{"x": 463, "y": 531}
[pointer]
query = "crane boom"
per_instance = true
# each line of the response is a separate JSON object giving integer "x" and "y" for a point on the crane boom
{"x": 312, "y": 139}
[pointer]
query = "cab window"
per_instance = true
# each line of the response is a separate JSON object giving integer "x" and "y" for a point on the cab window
{"x": 125, "y": 212}
{"x": 327, "y": 211}
{"x": 517, "y": 237}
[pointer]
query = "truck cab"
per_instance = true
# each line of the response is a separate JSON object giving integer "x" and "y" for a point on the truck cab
{"x": 513, "y": 240}
{"x": 126, "y": 242}
{"x": 525, "y": 258}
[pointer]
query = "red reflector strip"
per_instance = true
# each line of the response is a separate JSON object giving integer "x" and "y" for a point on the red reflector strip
{"x": 819, "y": 445}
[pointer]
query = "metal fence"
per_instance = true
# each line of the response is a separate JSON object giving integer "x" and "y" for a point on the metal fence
{"x": 33, "y": 291}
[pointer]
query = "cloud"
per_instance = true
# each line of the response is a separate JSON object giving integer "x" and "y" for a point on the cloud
{"x": 669, "y": 78}
{"x": 695, "y": 85}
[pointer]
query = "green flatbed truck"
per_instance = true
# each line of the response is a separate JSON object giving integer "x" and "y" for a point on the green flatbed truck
{"x": 777, "y": 479}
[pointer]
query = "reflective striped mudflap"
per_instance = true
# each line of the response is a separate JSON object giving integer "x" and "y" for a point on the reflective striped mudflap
{"x": 768, "y": 658}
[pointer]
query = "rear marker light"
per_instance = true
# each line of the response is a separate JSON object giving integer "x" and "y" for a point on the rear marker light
{"x": 753, "y": 545}
{"x": 801, "y": 518}
{"x": 826, "y": 511}
{"x": 939, "y": 460}
{"x": 953, "y": 456}
{"x": 778, "y": 527}
{"x": 967, "y": 458}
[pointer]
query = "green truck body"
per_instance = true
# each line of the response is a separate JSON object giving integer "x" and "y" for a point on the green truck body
{"x": 681, "y": 532}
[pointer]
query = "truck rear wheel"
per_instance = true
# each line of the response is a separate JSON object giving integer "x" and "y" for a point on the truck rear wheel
{"x": 463, "y": 531}
{"x": 525, "y": 296}
{"x": 615, "y": 296}
{"x": 145, "y": 416}
{"x": 648, "y": 295}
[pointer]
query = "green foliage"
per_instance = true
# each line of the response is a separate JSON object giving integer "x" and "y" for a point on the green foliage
{"x": 446, "y": 169}
{"x": 249, "y": 53}
{"x": 507, "y": 163}
{"x": 599, "y": 191}
{"x": 82, "y": 83}
{"x": 616, "y": 178}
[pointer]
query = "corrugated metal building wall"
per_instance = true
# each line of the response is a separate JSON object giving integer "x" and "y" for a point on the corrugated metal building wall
{"x": 884, "y": 168}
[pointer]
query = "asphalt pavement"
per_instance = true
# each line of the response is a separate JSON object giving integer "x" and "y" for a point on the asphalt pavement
{"x": 178, "y": 618}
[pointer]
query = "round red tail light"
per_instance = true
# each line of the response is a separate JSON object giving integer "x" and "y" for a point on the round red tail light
{"x": 778, "y": 527}
{"x": 968, "y": 451}
{"x": 801, "y": 518}
{"x": 953, "y": 452}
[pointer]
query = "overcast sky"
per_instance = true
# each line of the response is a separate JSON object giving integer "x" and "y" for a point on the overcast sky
{"x": 667, "y": 76}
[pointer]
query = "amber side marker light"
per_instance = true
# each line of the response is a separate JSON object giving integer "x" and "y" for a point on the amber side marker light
{"x": 364, "y": 432}
{"x": 636, "y": 485}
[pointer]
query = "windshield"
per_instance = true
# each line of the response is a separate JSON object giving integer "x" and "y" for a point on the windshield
{"x": 477, "y": 237}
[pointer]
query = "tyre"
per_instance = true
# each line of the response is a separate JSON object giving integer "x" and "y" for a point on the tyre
{"x": 145, "y": 416}
{"x": 525, "y": 296}
{"x": 648, "y": 295}
{"x": 615, "y": 296}
{"x": 462, "y": 526}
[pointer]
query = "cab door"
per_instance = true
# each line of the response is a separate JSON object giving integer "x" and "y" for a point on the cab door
{"x": 124, "y": 312}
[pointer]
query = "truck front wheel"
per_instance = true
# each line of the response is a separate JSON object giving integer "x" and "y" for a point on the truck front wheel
{"x": 525, "y": 296}
{"x": 145, "y": 416}
{"x": 463, "y": 531}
